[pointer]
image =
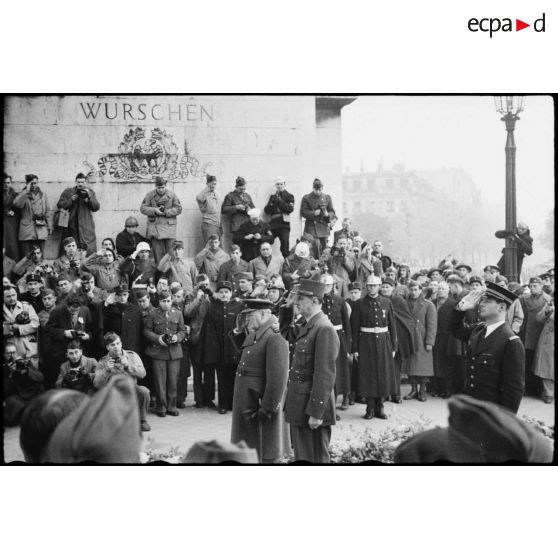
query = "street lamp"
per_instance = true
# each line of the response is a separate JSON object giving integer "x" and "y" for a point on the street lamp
{"x": 509, "y": 106}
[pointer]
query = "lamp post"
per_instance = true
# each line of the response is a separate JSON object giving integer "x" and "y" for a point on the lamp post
{"x": 509, "y": 106}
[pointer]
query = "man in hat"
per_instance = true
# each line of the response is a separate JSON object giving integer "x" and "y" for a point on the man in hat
{"x": 219, "y": 352}
{"x": 210, "y": 259}
{"x": 177, "y": 267}
{"x": 521, "y": 239}
{"x": 434, "y": 274}
{"x": 139, "y": 267}
{"x": 119, "y": 361}
{"x": 165, "y": 330}
{"x": 124, "y": 319}
{"x": 463, "y": 271}
{"x": 71, "y": 261}
{"x": 20, "y": 325}
{"x": 490, "y": 272}
{"x": 473, "y": 315}
{"x": 531, "y": 331}
{"x": 374, "y": 347}
{"x": 317, "y": 210}
{"x": 244, "y": 280}
{"x": 128, "y": 240}
{"x": 236, "y": 205}
{"x": 32, "y": 295}
{"x": 69, "y": 320}
{"x": 252, "y": 233}
{"x": 231, "y": 267}
{"x": 161, "y": 207}
{"x": 495, "y": 357}
{"x": 336, "y": 309}
{"x": 310, "y": 403}
{"x": 195, "y": 310}
{"x": 81, "y": 202}
{"x": 210, "y": 203}
{"x": 89, "y": 291}
{"x": 261, "y": 379}
{"x": 279, "y": 208}
{"x": 355, "y": 293}
{"x": 298, "y": 265}
{"x": 266, "y": 263}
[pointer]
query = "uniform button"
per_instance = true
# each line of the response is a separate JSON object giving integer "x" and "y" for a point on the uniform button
{"x": 472, "y": 377}
{"x": 472, "y": 367}
{"x": 472, "y": 385}
{"x": 248, "y": 352}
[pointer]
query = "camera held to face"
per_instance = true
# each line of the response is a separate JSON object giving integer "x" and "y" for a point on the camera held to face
{"x": 206, "y": 290}
{"x": 21, "y": 365}
{"x": 82, "y": 193}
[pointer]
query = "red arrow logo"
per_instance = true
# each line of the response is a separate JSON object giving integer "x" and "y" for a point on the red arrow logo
{"x": 519, "y": 25}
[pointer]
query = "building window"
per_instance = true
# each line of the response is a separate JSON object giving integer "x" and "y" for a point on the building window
{"x": 403, "y": 204}
{"x": 356, "y": 184}
{"x": 357, "y": 207}
{"x": 370, "y": 184}
{"x": 389, "y": 206}
{"x": 389, "y": 182}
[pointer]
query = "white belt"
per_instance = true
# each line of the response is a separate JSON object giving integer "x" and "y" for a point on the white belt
{"x": 374, "y": 329}
{"x": 338, "y": 327}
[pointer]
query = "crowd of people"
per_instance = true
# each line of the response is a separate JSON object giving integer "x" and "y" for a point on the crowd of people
{"x": 289, "y": 338}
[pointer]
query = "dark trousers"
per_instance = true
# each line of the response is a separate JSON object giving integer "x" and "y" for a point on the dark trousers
{"x": 311, "y": 445}
{"x": 143, "y": 401}
{"x": 225, "y": 383}
{"x": 282, "y": 233}
{"x": 50, "y": 367}
{"x": 532, "y": 382}
{"x": 204, "y": 380}
{"x": 397, "y": 361}
{"x": 183, "y": 375}
{"x": 165, "y": 377}
{"x": 374, "y": 405}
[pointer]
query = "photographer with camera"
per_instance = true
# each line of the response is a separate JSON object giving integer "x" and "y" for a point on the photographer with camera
{"x": 341, "y": 261}
{"x": 81, "y": 202}
{"x": 21, "y": 383}
{"x": 165, "y": 330}
{"x": 317, "y": 210}
{"x": 279, "y": 208}
{"x": 124, "y": 319}
{"x": 10, "y": 219}
{"x": 236, "y": 204}
{"x": 70, "y": 262}
{"x": 139, "y": 267}
{"x": 78, "y": 371}
{"x": 252, "y": 234}
{"x": 119, "y": 361}
{"x": 36, "y": 215}
{"x": 69, "y": 320}
{"x": 161, "y": 207}
{"x": 33, "y": 262}
{"x": 298, "y": 265}
{"x": 20, "y": 325}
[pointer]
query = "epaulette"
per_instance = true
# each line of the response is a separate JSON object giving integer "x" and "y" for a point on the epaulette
{"x": 513, "y": 337}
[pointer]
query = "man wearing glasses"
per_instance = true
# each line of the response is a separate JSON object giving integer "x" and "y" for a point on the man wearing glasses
{"x": 129, "y": 238}
{"x": 495, "y": 357}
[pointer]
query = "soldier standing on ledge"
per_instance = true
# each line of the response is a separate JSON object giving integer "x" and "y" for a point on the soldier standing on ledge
{"x": 317, "y": 210}
{"x": 279, "y": 208}
{"x": 310, "y": 404}
{"x": 495, "y": 356}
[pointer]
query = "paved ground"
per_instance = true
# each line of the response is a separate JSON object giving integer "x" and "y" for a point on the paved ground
{"x": 206, "y": 424}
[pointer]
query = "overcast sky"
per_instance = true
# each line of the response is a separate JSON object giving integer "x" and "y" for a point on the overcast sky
{"x": 431, "y": 132}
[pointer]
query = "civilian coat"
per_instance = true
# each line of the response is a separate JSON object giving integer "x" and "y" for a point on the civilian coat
{"x": 342, "y": 266}
{"x": 335, "y": 308}
{"x": 494, "y": 365}
{"x": 10, "y": 223}
{"x": 543, "y": 364}
{"x": 126, "y": 242}
{"x": 229, "y": 269}
{"x": 365, "y": 268}
{"x": 81, "y": 224}
{"x": 64, "y": 265}
{"x": 157, "y": 324}
{"x": 161, "y": 226}
{"x": 279, "y": 207}
{"x": 36, "y": 205}
{"x": 104, "y": 372}
{"x": 531, "y": 328}
{"x": 182, "y": 270}
{"x": 317, "y": 225}
{"x": 251, "y": 248}
{"x": 315, "y": 352}
{"x": 376, "y": 368}
{"x": 7, "y": 266}
{"x": 407, "y": 342}
{"x": 302, "y": 266}
{"x": 446, "y": 345}
{"x": 210, "y": 263}
{"x": 524, "y": 244}
{"x": 139, "y": 271}
{"x": 217, "y": 345}
{"x": 237, "y": 217}
{"x": 27, "y": 342}
{"x": 261, "y": 381}
{"x": 258, "y": 267}
{"x": 125, "y": 320}
{"x": 85, "y": 382}
{"x": 421, "y": 362}
{"x": 59, "y": 321}
{"x": 515, "y": 316}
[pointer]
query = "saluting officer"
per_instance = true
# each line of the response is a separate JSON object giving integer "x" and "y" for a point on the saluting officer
{"x": 310, "y": 404}
{"x": 495, "y": 357}
{"x": 164, "y": 328}
{"x": 374, "y": 347}
{"x": 261, "y": 380}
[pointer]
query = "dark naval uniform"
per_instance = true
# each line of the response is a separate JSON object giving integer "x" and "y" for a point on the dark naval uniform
{"x": 375, "y": 339}
{"x": 335, "y": 308}
{"x": 166, "y": 360}
{"x": 494, "y": 365}
{"x": 310, "y": 389}
{"x": 261, "y": 380}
